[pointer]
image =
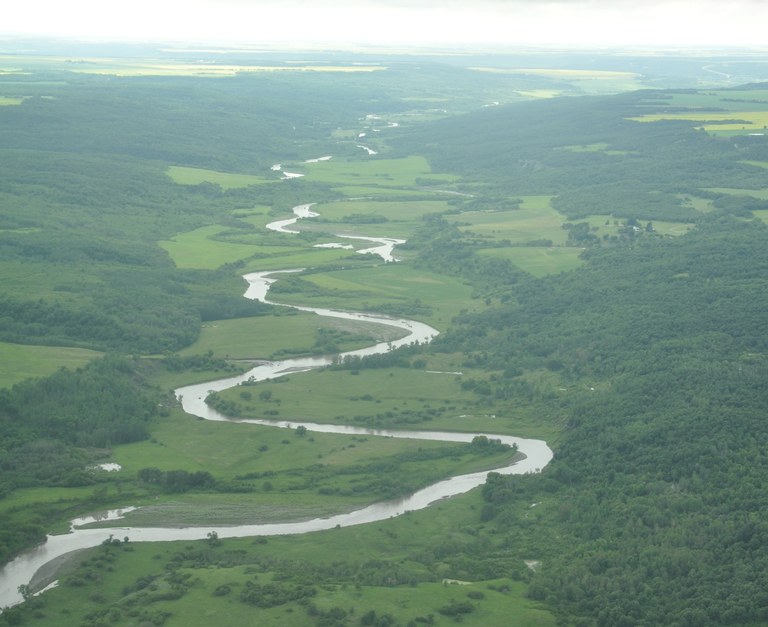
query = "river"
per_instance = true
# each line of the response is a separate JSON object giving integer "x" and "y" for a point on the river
{"x": 536, "y": 452}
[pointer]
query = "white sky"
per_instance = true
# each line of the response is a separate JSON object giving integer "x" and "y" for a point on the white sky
{"x": 706, "y": 23}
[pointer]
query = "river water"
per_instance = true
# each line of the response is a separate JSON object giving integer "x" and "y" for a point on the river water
{"x": 536, "y": 452}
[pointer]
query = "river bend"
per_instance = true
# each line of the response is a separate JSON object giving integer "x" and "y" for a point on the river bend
{"x": 536, "y": 453}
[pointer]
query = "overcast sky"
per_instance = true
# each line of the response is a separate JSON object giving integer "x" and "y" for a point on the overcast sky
{"x": 510, "y": 22}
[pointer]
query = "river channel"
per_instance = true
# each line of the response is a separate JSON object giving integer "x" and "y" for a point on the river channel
{"x": 535, "y": 453}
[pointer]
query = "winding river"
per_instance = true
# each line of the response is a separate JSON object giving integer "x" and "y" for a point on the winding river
{"x": 536, "y": 453}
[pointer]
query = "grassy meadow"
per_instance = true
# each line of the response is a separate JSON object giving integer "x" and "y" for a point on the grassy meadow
{"x": 198, "y": 249}
{"x": 22, "y": 361}
{"x": 226, "y": 180}
{"x": 585, "y": 81}
{"x": 535, "y": 219}
{"x": 387, "y": 173}
{"x": 539, "y": 260}
{"x": 213, "y": 593}
{"x": 398, "y": 289}
{"x": 431, "y": 397}
{"x": 269, "y": 337}
{"x": 19, "y": 279}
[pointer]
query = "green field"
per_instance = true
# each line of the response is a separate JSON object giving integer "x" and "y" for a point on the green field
{"x": 601, "y": 225}
{"x": 408, "y": 398}
{"x": 400, "y": 218}
{"x": 538, "y": 260}
{"x": 388, "y": 287}
{"x": 396, "y": 211}
{"x": 534, "y": 220}
{"x": 598, "y": 147}
{"x": 229, "y": 449}
{"x": 19, "y": 362}
{"x": 199, "y": 249}
{"x": 226, "y": 180}
{"x": 399, "y": 173}
{"x": 415, "y": 591}
{"x": 301, "y": 258}
{"x": 266, "y": 337}
{"x": 762, "y": 194}
{"x": 586, "y": 81}
{"x": 20, "y": 279}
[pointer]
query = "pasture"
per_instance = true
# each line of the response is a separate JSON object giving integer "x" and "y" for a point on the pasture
{"x": 602, "y": 224}
{"x": 597, "y": 147}
{"x": 535, "y": 219}
{"x": 586, "y": 81}
{"x": 395, "y": 211}
{"x": 19, "y": 279}
{"x": 386, "y": 173}
{"x": 267, "y": 337}
{"x": 230, "y": 449}
{"x": 198, "y": 249}
{"x": 403, "y": 398}
{"x": 226, "y": 180}
{"x": 762, "y": 194}
{"x": 398, "y": 218}
{"x": 19, "y": 362}
{"x": 155, "y": 67}
{"x": 366, "y": 552}
{"x": 300, "y": 258}
{"x": 538, "y": 260}
{"x": 395, "y": 288}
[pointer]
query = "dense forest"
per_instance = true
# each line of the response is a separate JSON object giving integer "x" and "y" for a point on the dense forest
{"x": 639, "y": 170}
{"x": 653, "y": 510}
{"x": 660, "y": 344}
{"x": 659, "y": 473}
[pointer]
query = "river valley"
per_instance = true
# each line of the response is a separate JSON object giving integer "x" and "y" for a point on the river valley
{"x": 533, "y": 454}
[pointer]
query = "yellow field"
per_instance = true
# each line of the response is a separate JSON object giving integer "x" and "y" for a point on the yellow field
{"x": 541, "y": 93}
{"x": 588, "y": 81}
{"x": 756, "y": 121}
{"x": 5, "y": 100}
{"x": 120, "y": 68}
{"x": 563, "y": 73}
{"x": 159, "y": 67}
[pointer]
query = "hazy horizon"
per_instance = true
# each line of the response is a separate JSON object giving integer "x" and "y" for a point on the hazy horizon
{"x": 563, "y": 23}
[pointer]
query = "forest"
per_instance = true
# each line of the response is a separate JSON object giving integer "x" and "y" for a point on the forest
{"x": 642, "y": 363}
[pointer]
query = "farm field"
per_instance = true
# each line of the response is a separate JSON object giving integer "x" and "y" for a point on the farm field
{"x": 721, "y": 113}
